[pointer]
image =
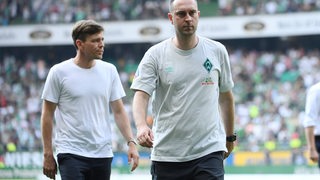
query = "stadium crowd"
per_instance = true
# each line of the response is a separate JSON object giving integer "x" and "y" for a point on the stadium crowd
{"x": 67, "y": 11}
{"x": 253, "y": 7}
{"x": 269, "y": 92}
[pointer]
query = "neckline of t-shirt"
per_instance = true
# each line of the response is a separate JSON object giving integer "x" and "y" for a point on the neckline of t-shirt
{"x": 85, "y": 69}
{"x": 184, "y": 52}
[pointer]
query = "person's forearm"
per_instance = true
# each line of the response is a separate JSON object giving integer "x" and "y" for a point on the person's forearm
{"x": 122, "y": 119}
{"x": 123, "y": 124}
{"x": 227, "y": 112}
{"x": 46, "y": 130}
{"x": 140, "y": 106}
{"x": 229, "y": 121}
{"x": 48, "y": 109}
{"x": 309, "y": 132}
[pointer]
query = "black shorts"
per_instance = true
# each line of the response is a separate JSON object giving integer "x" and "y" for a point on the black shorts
{"x": 73, "y": 167}
{"x": 317, "y": 142}
{"x": 209, "y": 167}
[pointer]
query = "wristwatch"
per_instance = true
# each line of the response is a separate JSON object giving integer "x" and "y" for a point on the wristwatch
{"x": 232, "y": 138}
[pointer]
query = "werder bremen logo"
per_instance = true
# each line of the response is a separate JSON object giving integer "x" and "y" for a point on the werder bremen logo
{"x": 207, "y": 65}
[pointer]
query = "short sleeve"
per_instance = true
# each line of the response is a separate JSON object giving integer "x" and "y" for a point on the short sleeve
{"x": 146, "y": 75}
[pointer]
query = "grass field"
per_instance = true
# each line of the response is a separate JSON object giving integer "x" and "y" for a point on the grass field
{"x": 227, "y": 177}
{"x": 242, "y": 173}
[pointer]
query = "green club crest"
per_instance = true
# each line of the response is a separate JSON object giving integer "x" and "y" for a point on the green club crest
{"x": 207, "y": 65}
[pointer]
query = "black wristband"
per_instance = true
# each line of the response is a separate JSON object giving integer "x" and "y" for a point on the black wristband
{"x": 232, "y": 138}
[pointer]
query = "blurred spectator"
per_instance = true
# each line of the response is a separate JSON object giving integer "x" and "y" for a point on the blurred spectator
{"x": 67, "y": 11}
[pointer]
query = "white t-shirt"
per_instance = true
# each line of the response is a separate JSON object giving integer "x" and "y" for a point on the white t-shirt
{"x": 185, "y": 87}
{"x": 82, "y": 116}
{"x": 312, "y": 108}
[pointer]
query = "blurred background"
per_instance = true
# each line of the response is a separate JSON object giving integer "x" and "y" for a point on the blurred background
{"x": 274, "y": 53}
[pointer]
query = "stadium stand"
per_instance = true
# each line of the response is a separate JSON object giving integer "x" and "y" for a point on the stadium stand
{"x": 67, "y": 11}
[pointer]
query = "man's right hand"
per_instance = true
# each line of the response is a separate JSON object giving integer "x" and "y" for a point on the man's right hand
{"x": 49, "y": 166}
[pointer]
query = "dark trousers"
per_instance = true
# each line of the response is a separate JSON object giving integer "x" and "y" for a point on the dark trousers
{"x": 317, "y": 142}
{"x": 74, "y": 167}
{"x": 209, "y": 167}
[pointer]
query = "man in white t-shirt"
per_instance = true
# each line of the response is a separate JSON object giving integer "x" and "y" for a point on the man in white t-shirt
{"x": 78, "y": 94}
{"x": 190, "y": 82}
{"x": 312, "y": 122}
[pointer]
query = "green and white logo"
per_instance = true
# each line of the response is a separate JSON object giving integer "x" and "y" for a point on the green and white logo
{"x": 207, "y": 65}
